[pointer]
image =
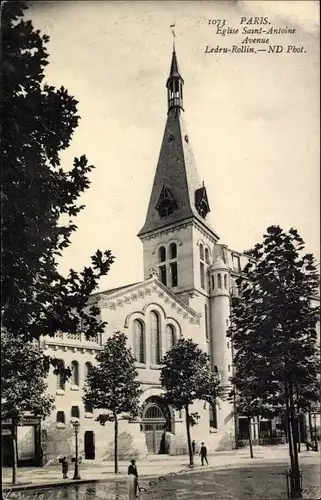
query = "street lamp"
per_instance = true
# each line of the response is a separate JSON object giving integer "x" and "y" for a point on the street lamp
{"x": 316, "y": 448}
{"x": 76, "y": 425}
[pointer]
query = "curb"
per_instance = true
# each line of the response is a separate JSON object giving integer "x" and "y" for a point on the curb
{"x": 120, "y": 477}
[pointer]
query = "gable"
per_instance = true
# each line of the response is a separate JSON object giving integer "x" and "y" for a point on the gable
{"x": 153, "y": 290}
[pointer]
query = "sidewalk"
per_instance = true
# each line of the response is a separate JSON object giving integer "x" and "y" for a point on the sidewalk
{"x": 153, "y": 466}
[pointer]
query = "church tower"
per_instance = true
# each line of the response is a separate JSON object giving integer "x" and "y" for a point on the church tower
{"x": 179, "y": 241}
{"x": 177, "y": 237}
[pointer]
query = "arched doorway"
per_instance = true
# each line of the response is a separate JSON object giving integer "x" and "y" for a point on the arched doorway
{"x": 156, "y": 420}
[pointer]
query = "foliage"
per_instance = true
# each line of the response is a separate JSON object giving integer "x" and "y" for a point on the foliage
{"x": 23, "y": 380}
{"x": 39, "y": 196}
{"x": 273, "y": 326}
{"x": 186, "y": 376}
{"x": 23, "y": 385}
{"x": 111, "y": 384}
{"x": 273, "y": 329}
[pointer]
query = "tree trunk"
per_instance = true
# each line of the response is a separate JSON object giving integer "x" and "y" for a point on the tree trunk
{"x": 250, "y": 437}
{"x": 310, "y": 427}
{"x": 295, "y": 470}
{"x": 14, "y": 451}
{"x": 188, "y": 433}
{"x": 116, "y": 443}
{"x": 298, "y": 423}
{"x": 289, "y": 440}
{"x": 286, "y": 431}
{"x": 270, "y": 431}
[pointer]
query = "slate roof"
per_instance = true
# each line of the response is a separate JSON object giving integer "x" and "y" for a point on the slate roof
{"x": 175, "y": 171}
{"x": 174, "y": 71}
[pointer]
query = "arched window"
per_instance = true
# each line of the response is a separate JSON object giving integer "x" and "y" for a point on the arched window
{"x": 75, "y": 373}
{"x": 60, "y": 377}
{"x": 155, "y": 338}
{"x": 207, "y": 256}
{"x": 225, "y": 281}
{"x": 219, "y": 280}
{"x": 168, "y": 270}
{"x": 201, "y": 252}
{"x": 170, "y": 337}
{"x": 213, "y": 286}
{"x": 60, "y": 418}
{"x": 173, "y": 251}
{"x": 206, "y": 322}
{"x": 162, "y": 254}
{"x": 75, "y": 412}
{"x": 153, "y": 412}
{"x": 139, "y": 341}
{"x": 202, "y": 267}
{"x": 173, "y": 273}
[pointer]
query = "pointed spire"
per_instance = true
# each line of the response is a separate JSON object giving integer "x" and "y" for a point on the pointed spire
{"x": 177, "y": 192}
{"x": 174, "y": 71}
{"x": 174, "y": 85}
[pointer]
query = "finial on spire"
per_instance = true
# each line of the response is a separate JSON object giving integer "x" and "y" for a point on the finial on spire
{"x": 172, "y": 26}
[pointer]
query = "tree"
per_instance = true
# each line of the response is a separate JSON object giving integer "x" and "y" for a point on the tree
{"x": 273, "y": 330}
{"x": 39, "y": 196}
{"x": 112, "y": 386}
{"x": 23, "y": 385}
{"x": 186, "y": 376}
{"x": 245, "y": 405}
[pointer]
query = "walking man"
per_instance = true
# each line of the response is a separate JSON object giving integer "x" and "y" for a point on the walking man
{"x": 64, "y": 467}
{"x": 193, "y": 446}
{"x": 203, "y": 454}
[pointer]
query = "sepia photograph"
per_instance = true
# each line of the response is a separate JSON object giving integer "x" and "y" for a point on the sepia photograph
{"x": 160, "y": 252}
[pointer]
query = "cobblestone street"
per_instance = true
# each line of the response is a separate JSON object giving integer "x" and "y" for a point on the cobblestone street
{"x": 245, "y": 483}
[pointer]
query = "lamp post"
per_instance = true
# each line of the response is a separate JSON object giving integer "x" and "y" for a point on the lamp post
{"x": 76, "y": 425}
{"x": 316, "y": 447}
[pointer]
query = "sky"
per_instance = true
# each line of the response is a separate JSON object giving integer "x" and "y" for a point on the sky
{"x": 253, "y": 119}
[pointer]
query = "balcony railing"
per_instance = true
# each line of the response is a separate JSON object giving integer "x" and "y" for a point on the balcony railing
{"x": 78, "y": 337}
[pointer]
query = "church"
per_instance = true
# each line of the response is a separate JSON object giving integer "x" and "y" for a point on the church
{"x": 189, "y": 278}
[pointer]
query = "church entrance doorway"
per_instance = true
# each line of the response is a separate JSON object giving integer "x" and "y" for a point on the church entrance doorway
{"x": 155, "y": 422}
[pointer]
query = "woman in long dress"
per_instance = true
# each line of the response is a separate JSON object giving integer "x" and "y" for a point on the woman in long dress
{"x": 132, "y": 480}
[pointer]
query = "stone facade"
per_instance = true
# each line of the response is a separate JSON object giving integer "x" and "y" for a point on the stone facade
{"x": 188, "y": 282}
{"x": 121, "y": 309}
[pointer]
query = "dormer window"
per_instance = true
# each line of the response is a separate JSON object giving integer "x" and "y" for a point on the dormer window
{"x": 165, "y": 208}
{"x": 166, "y": 203}
{"x": 201, "y": 202}
{"x": 202, "y": 209}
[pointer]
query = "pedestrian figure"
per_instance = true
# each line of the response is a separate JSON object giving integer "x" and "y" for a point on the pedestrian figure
{"x": 64, "y": 467}
{"x": 132, "y": 480}
{"x": 203, "y": 454}
{"x": 193, "y": 446}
